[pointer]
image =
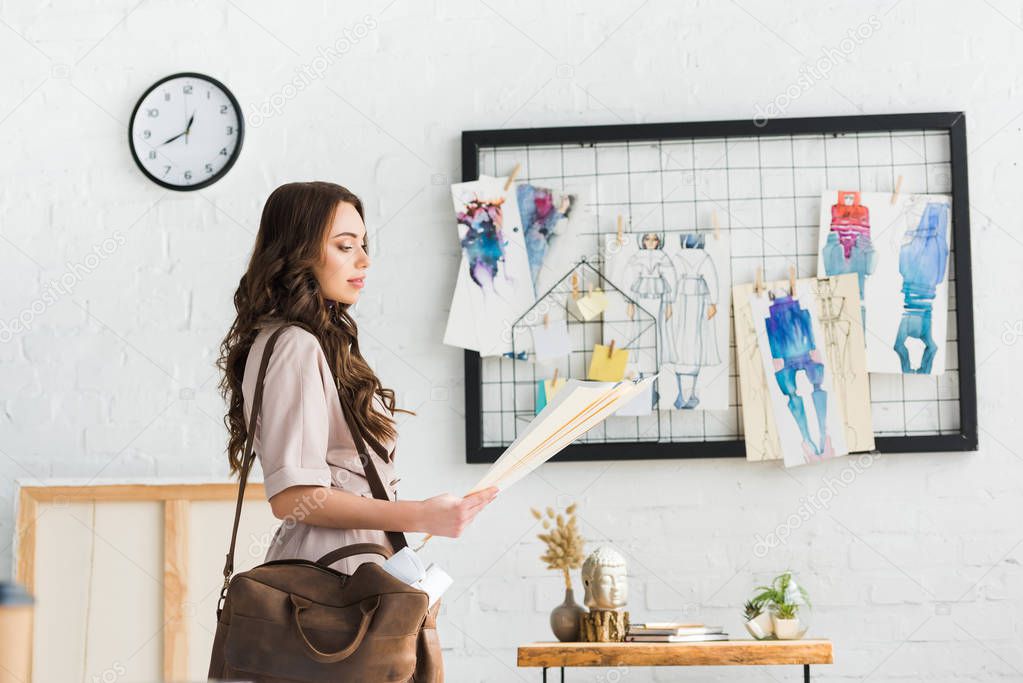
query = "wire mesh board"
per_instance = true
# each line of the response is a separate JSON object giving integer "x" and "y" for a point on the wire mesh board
{"x": 759, "y": 183}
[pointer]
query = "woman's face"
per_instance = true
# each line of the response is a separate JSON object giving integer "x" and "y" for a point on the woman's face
{"x": 341, "y": 272}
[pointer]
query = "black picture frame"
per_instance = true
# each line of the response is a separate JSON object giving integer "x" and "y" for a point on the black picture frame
{"x": 952, "y": 122}
{"x": 230, "y": 161}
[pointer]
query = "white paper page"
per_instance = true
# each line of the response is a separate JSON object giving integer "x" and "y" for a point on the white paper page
{"x": 576, "y": 409}
{"x": 565, "y": 406}
{"x": 533, "y": 460}
{"x": 551, "y": 342}
{"x": 567, "y": 437}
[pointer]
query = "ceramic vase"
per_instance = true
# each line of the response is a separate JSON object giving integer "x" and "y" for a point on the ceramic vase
{"x": 565, "y": 618}
{"x": 761, "y": 626}
{"x": 788, "y": 629}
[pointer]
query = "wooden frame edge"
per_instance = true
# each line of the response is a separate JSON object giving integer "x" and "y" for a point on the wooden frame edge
{"x": 176, "y": 499}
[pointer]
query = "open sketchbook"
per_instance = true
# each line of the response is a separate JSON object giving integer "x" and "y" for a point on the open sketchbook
{"x": 578, "y": 407}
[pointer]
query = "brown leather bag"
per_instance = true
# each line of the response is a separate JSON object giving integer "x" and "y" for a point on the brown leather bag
{"x": 298, "y": 620}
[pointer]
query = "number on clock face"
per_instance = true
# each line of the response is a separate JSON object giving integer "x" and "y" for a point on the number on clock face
{"x": 186, "y": 131}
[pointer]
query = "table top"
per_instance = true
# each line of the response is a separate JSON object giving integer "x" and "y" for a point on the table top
{"x": 711, "y": 653}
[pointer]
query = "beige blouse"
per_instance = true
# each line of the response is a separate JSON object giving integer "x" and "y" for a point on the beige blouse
{"x": 302, "y": 439}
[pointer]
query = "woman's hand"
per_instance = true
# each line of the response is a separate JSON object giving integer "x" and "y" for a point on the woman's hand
{"x": 448, "y": 515}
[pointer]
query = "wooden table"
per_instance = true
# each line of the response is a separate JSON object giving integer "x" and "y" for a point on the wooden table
{"x": 713, "y": 653}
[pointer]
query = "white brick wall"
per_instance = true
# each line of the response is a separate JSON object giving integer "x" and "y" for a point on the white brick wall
{"x": 915, "y": 567}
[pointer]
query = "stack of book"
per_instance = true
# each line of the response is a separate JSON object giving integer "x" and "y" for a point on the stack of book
{"x": 672, "y": 632}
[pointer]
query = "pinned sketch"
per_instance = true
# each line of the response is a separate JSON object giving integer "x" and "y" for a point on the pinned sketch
{"x": 541, "y": 209}
{"x": 651, "y": 280}
{"x": 760, "y": 433}
{"x": 847, "y": 246}
{"x": 899, "y": 253}
{"x": 621, "y": 319}
{"x": 699, "y": 318}
{"x": 494, "y": 286}
{"x": 683, "y": 282}
{"x": 836, "y": 303}
{"x": 572, "y": 239}
{"x": 806, "y": 408}
{"x": 838, "y": 312}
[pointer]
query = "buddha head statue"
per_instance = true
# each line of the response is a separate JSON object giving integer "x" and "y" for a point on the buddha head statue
{"x": 604, "y": 579}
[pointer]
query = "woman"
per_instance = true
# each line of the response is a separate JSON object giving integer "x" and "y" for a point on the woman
{"x": 308, "y": 266}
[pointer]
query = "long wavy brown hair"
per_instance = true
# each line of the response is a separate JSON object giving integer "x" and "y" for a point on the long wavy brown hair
{"x": 279, "y": 285}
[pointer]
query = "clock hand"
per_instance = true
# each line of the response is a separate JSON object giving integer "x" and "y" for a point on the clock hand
{"x": 189, "y": 126}
{"x": 172, "y": 139}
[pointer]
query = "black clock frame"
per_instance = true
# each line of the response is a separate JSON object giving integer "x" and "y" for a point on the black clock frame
{"x": 231, "y": 160}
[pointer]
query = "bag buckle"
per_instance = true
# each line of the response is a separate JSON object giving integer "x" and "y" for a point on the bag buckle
{"x": 223, "y": 595}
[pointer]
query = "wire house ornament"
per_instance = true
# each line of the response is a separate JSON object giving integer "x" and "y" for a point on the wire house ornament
{"x": 637, "y": 334}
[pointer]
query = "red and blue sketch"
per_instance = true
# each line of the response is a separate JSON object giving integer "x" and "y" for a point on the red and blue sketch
{"x": 848, "y": 248}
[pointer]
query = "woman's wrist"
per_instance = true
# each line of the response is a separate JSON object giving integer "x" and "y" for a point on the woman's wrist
{"x": 410, "y": 517}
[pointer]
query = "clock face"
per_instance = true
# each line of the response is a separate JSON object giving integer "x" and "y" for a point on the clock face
{"x": 186, "y": 131}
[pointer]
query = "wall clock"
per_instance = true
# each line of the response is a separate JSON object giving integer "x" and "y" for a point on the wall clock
{"x": 186, "y": 131}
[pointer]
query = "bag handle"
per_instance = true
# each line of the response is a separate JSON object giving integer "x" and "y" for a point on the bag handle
{"x": 354, "y": 549}
{"x": 248, "y": 457}
{"x": 368, "y": 607}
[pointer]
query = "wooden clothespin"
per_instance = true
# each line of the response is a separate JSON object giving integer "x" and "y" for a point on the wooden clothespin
{"x": 575, "y": 285}
{"x": 547, "y": 321}
{"x": 758, "y": 284}
{"x": 895, "y": 192}
{"x": 714, "y": 222}
{"x": 620, "y": 221}
{"x": 554, "y": 380}
{"x": 511, "y": 177}
{"x": 611, "y": 349}
{"x": 792, "y": 281}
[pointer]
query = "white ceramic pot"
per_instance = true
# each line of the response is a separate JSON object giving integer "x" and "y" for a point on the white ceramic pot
{"x": 761, "y": 626}
{"x": 788, "y": 629}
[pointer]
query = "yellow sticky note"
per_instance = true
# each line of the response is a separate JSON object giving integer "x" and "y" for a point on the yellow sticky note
{"x": 607, "y": 369}
{"x": 592, "y": 305}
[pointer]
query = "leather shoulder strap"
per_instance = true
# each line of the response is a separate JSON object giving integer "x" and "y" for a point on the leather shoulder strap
{"x": 248, "y": 456}
{"x": 376, "y": 484}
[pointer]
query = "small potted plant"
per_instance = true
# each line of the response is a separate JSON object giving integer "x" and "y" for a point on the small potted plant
{"x": 785, "y": 598}
{"x": 564, "y": 552}
{"x": 786, "y": 622}
{"x": 758, "y": 619}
